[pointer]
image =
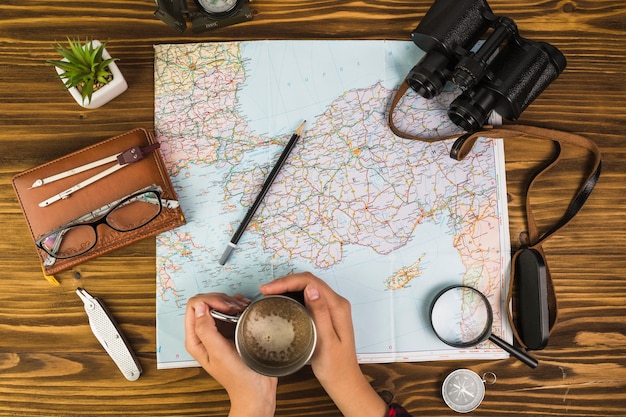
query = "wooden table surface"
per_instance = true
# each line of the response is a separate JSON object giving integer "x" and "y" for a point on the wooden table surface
{"x": 50, "y": 363}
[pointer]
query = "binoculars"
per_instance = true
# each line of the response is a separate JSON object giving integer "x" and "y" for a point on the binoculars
{"x": 503, "y": 74}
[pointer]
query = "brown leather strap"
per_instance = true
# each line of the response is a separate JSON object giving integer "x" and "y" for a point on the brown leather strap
{"x": 531, "y": 238}
{"x": 558, "y": 138}
{"x": 400, "y": 92}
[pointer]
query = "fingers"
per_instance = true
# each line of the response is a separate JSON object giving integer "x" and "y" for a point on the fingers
{"x": 318, "y": 307}
{"x": 330, "y": 312}
{"x": 221, "y": 302}
{"x": 289, "y": 283}
{"x": 201, "y": 334}
{"x": 193, "y": 343}
{"x": 296, "y": 282}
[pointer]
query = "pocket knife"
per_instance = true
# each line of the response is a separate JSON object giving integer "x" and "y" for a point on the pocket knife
{"x": 110, "y": 335}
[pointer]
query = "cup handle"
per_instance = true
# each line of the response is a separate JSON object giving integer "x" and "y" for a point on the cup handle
{"x": 224, "y": 317}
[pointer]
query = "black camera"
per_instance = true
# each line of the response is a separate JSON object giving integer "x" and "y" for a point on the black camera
{"x": 504, "y": 73}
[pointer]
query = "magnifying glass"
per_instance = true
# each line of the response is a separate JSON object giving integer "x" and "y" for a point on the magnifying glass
{"x": 461, "y": 317}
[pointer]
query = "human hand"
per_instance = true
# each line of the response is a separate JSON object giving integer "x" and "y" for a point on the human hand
{"x": 251, "y": 394}
{"x": 334, "y": 362}
{"x": 335, "y": 353}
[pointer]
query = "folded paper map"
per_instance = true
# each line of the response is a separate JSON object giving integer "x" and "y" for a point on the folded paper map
{"x": 386, "y": 222}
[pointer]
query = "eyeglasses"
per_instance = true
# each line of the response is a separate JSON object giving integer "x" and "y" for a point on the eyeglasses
{"x": 80, "y": 235}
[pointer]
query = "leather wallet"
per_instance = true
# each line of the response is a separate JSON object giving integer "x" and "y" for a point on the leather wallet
{"x": 148, "y": 171}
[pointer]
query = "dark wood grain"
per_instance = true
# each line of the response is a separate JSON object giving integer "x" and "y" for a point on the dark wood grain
{"x": 51, "y": 365}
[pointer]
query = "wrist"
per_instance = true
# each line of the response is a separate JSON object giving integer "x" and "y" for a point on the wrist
{"x": 354, "y": 396}
{"x": 256, "y": 400}
{"x": 249, "y": 408}
{"x": 347, "y": 374}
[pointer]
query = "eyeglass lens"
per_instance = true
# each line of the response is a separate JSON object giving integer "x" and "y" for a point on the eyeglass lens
{"x": 130, "y": 214}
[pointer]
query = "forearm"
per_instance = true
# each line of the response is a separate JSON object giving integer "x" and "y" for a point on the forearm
{"x": 355, "y": 397}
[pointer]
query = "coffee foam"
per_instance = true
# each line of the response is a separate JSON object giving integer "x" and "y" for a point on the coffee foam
{"x": 277, "y": 331}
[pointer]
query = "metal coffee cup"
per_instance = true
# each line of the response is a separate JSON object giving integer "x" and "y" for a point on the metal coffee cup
{"x": 274, "y": 335}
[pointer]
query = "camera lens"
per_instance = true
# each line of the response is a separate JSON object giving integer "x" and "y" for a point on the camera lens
{"x": 429, "y": 76}
{"x": 470, "y": 111}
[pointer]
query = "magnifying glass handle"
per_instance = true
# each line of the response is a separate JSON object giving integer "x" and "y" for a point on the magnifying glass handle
{"x": 522, "y": 356}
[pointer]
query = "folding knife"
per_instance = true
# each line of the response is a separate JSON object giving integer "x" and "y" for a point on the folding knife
{"x": 110, "y": 335}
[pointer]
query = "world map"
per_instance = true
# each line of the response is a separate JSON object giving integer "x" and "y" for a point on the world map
{"x": 386, "y": 222}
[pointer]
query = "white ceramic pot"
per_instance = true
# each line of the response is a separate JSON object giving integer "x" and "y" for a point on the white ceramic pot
{"x": 104, "y": 94}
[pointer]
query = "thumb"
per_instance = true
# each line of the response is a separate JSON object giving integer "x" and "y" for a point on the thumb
{"x": 318, "y": 306}
{"x": 206, "y": 330}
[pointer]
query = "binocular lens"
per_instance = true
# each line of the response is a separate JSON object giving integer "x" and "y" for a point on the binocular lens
{"x": 470, "y": 111}
{"x": 430, "y": 74}
{"x": 463, "y": 117}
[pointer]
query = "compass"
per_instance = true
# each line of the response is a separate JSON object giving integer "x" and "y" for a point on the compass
{"x": 463, "y": 390}
{"x": 218, "y": 8}
{"x": 207, "y": 15}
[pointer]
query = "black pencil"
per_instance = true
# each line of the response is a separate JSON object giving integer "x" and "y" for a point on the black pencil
{"x": 266, "y": 186}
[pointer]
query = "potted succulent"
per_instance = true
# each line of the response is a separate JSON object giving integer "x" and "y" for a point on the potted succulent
{"x": 89, "y": 73}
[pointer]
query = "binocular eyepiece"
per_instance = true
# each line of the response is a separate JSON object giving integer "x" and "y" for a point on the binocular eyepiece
{"x": 503, "y": 74}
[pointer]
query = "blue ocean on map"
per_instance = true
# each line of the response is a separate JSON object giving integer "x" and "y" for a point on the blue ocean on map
{"x": 432, "y": 239}
{"x": 302, "y": 92}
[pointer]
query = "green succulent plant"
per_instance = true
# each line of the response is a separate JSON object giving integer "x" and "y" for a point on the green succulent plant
{"x": 83, "y": 66}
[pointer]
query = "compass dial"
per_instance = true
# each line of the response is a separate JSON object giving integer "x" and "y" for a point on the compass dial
{"x": 217, "y": 7}
{"x": 463, "y": 390}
